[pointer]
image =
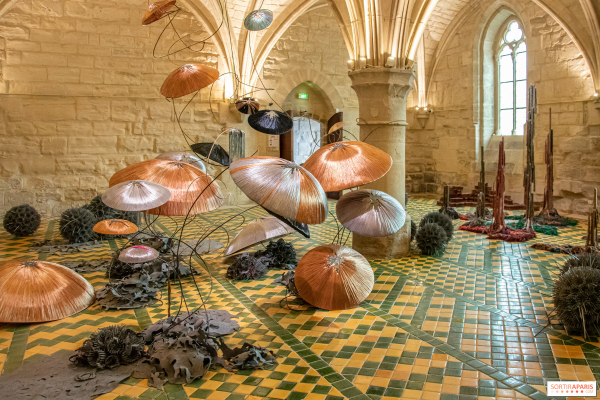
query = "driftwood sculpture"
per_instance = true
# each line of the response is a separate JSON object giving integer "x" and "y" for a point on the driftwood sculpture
{"x": 549, "y": 215}
{"x": 498, "y": 229}
{"x": 529, "y": 177}
{"x": 446, "y": 209}
{"x": 591, "y": 242}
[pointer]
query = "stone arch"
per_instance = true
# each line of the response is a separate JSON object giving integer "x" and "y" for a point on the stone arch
{"x": 298, "y": 76}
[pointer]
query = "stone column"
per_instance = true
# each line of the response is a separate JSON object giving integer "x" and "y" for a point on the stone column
{"x": 382, "y": 94}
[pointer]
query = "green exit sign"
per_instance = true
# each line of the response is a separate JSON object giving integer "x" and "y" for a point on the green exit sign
{"x": 303, "y": 96}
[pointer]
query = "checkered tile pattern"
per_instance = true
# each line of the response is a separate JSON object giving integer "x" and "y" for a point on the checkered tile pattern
{"x": 472, "y": 323}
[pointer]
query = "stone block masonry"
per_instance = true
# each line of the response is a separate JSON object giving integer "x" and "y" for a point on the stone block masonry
{"x": 79, "y": 98}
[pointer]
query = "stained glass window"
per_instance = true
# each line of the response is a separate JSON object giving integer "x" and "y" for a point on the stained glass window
{"x": 512, "y": 81}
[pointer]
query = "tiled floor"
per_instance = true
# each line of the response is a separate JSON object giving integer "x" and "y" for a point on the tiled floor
{"x": 469, "y": 324}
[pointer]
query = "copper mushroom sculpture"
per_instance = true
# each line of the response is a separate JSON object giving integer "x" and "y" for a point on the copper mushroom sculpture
{"x": 188, "y": 78}
{"x": 157, "y": 10}
{"x": 41, "y": 291}
{"x": 192, "y": 191}
{"x": 282, "y": 187}
{"x": 115, "y": 227}
{"x": 256, "y": 231}
{"x": 333, "y": 277}
{"x": 136, "y": 195}
{"x": 344, "y": 165}
{"x": 183, "y": 156}
{"x": 370, "y": 213}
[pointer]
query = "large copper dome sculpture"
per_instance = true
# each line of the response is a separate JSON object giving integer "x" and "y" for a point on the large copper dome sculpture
{"x": 333, "y": 277}
{"x": 40, "y": 291}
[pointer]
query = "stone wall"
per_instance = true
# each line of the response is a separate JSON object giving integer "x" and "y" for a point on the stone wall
{"x": 81, "y": 99}
{"x": 445, "y": 151}
{"x": 79, "y": 94}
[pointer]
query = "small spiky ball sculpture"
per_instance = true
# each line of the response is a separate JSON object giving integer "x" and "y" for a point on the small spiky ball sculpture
{"x": 22, "y": 220}
{"x": 76, "y": 225}
{"x": 110, "y": 347}
{"x": 431, "y": 239}
{"x": 413, "y": 230}
{"x": 100, "y": 210}
{"x": 442, "y": 220}
{"x": 576, "y": 297}
{"x": 591, "y": 260}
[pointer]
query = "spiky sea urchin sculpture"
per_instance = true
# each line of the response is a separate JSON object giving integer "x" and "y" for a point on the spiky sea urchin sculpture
{"x": 100, "y": 210}
{"x": 431, "y": 239}
{"x": 576, "y": 297}
{"x": 591, "y": 260}
{"x": 247, "y": 267}
{"x": 110, "y": 347}
{"x": 22, "y": 220}
{"x": 76, "y": 225}
{"x": 413, "y": 230}
{"x": 442, "y": 220}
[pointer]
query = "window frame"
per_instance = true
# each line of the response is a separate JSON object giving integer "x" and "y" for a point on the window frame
{"x": 498, "y": 46}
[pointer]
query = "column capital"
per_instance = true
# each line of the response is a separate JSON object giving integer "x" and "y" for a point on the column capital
{"x": 399, "y": 81}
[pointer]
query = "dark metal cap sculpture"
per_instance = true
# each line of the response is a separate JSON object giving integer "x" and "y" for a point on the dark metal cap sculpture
{"x": 136, "y": 195}
{"x": 333, "y": 277}
{"x": 213, "y": 152}
{"x": 41, "y": 291}
{"x": 297, "y": 226}
{"x": 183, "y": 156}
{"x": 281, "y": 186}
{"x": 187, "y": 79}
{"x": 344, "y": 165}
{"x": 370, "y": 213}
{"x": 256, "y": 231}
{"x": 271, "y": 122}
{"x": 247, "y": 105}
{"x": 192, "y": 191}
{"x": 258, "y": 20}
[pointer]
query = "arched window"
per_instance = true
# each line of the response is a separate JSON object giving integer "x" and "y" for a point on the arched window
{"x": 512, "y": 80}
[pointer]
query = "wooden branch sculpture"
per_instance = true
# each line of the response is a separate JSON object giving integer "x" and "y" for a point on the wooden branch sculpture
{"x": 529, "y": 178}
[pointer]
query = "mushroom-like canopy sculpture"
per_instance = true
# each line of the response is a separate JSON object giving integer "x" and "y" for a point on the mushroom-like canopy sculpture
{"x": 183, "y": 156}
{"x": 370, "y": 213}
{"x": 333, "y": 277}
{"x": 115, "y": 227}
{"x": 271, "y": 122}
{"x": 258, "y": 20}
{"x": 138, "y": 254}
{"x": 336, "y": 126}
{"x": 41, "y": 291}
{"x": 188, "y": 78}
{"x": 247, "y": 105}
{"x": 256, "y": 231}
{"x": 157, "y": 10}
{"x": 344, "y": 165}
{"x": 213, "y": 152}
{"x": 136, "y": 195}
{"x": 281, "y": 186}
{"x": 192, "y": 191}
